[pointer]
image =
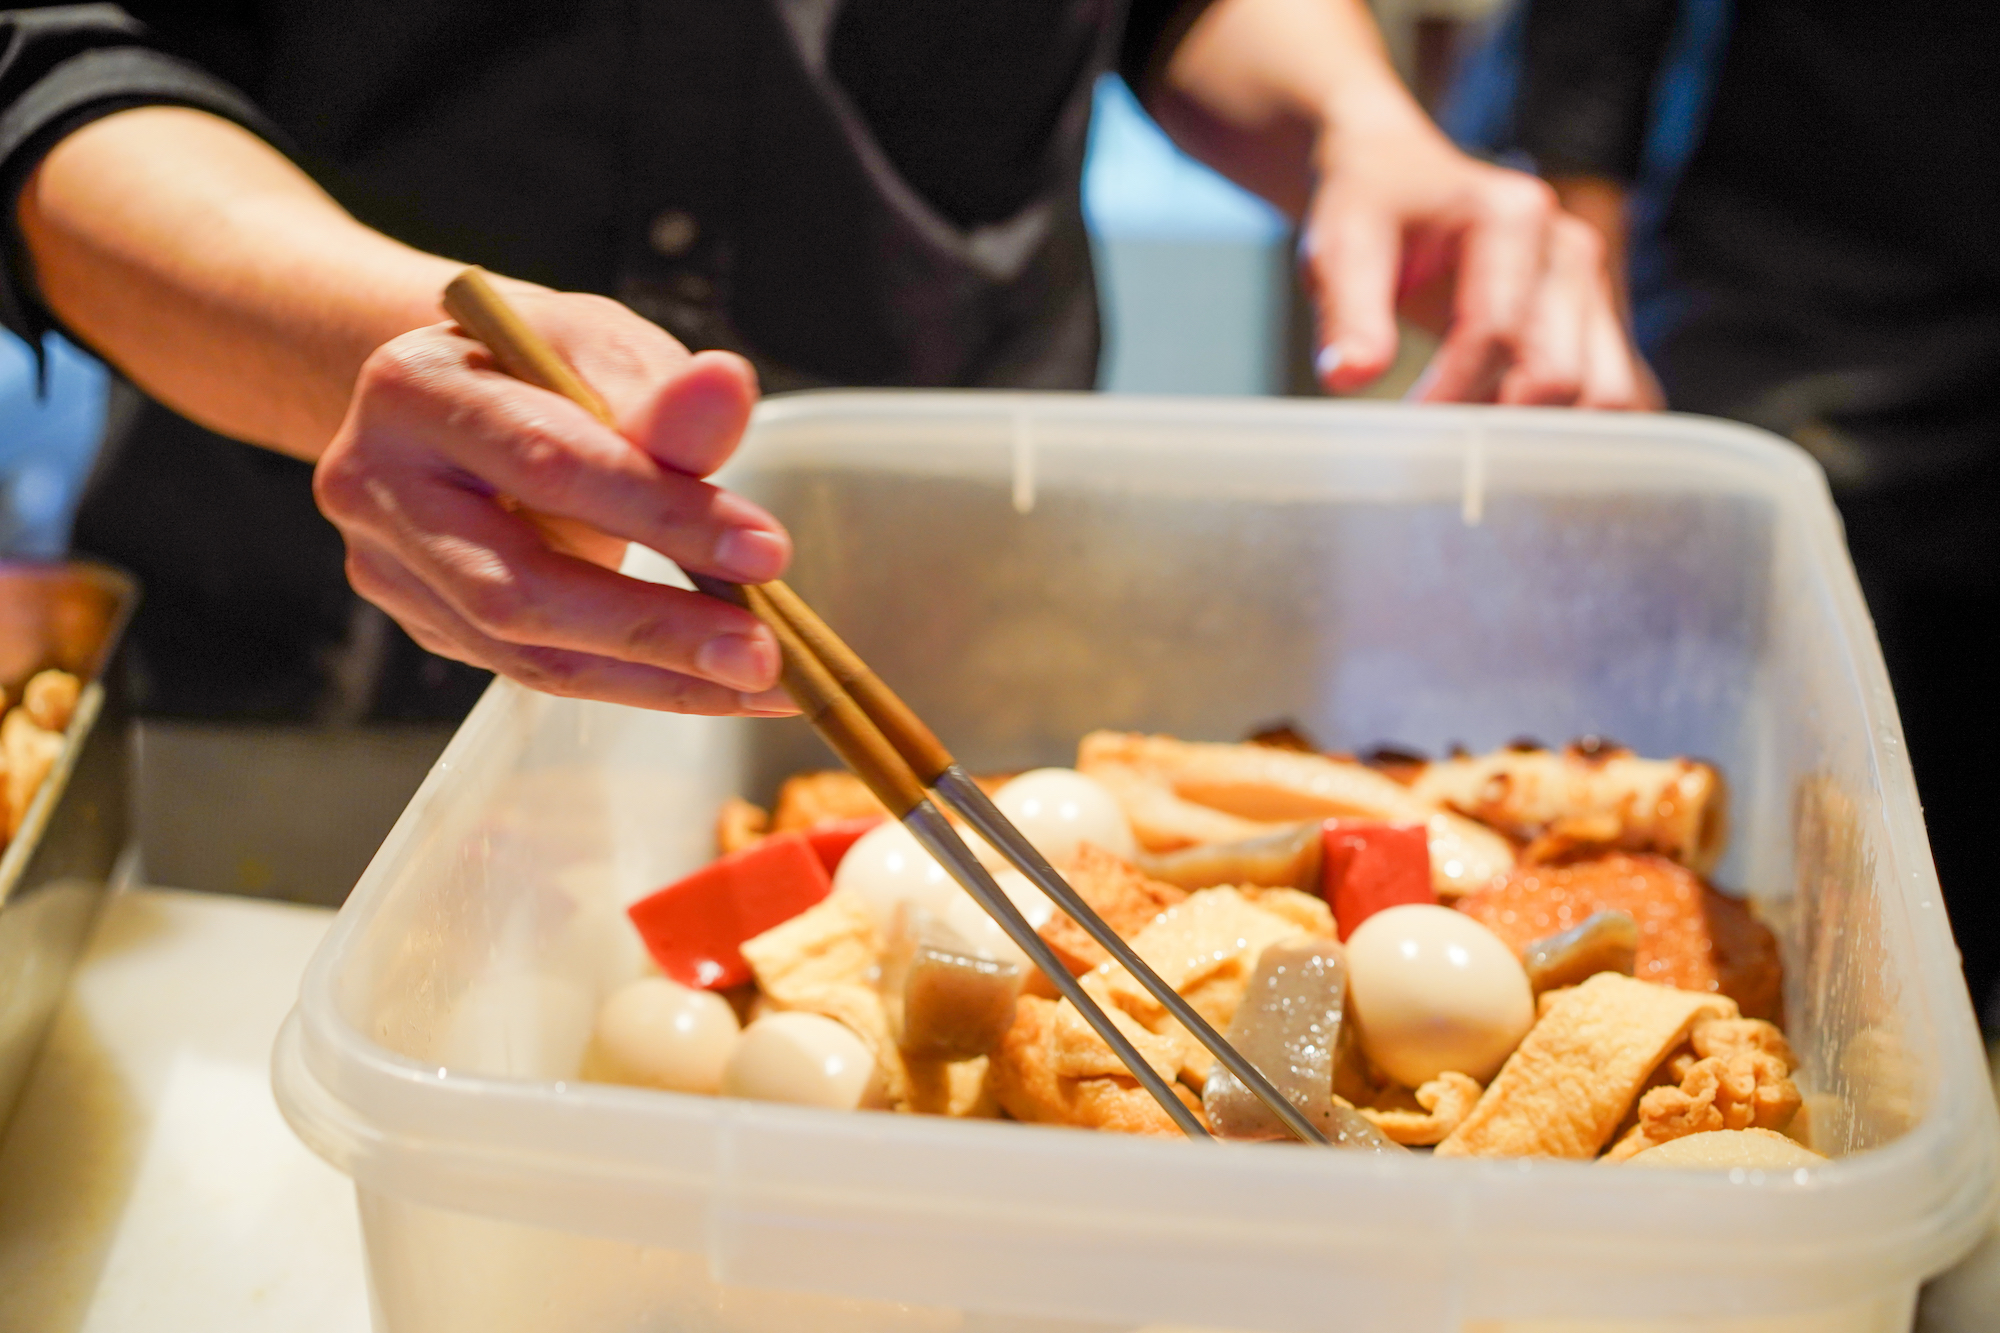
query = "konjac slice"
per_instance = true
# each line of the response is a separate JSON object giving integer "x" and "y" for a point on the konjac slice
{"x": 1288, "y": 1026}
{"x": 947, "y": 1001}
{"x": 1602, "y": 942}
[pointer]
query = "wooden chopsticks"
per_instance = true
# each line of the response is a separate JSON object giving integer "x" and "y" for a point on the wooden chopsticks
{"x": 883, "y": 741}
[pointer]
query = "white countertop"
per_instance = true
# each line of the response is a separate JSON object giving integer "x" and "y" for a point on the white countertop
{"x": 147, "y": 1181}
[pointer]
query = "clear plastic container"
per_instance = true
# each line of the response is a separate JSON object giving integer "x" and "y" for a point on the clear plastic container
{"x": 1024, "y": 569}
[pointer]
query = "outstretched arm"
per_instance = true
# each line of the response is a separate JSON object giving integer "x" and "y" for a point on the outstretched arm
{"x": 1296, "y": 100}
{"x": 200, "y": 261}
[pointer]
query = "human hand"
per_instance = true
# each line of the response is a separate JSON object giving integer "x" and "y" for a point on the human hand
{"x": 1520, "y": 290}
{"x": 436, "y": 435}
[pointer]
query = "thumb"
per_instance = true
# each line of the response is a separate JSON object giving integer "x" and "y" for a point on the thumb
{"x": 693, "y": 421}
{"x": 1351, "y": 257}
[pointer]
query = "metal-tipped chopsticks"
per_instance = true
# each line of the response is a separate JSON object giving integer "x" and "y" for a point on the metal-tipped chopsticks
{"x": 882, "y": 740}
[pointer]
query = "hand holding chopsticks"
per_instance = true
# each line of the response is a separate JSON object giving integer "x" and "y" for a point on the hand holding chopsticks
{"x": 878, "y": 736}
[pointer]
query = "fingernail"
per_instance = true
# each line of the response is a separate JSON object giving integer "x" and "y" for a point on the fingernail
{"x": 738, "y": 661}
{"x": 768, "y": 703}
{"x": 1327, "y": 361}
{"x": 750, "y": 555}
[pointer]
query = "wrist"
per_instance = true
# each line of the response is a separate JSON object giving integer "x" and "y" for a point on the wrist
{"x": 1372, "y": 107}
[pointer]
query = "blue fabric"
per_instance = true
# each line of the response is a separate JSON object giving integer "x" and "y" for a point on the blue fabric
{"x": 1478, "y": 113}
{"x": 47, "y": 442}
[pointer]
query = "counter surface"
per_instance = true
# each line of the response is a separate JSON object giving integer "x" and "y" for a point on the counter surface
{"x": 148, "y": 1182}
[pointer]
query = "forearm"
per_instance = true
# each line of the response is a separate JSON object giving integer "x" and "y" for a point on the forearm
{"x": 216, "y": 275}
{"x": 1260, "y": 89}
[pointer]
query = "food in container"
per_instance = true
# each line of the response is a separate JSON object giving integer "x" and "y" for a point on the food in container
{"x": 916, "y": 1001}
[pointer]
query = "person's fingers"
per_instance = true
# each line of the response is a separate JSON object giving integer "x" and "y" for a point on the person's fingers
{"x": 1617, "y": 378}
{"x": 1502, "y": 257}
{"x": 434, "y": 625}
{"x": 688, "y": 412}
{"x": 1554, "y": 357}
{"x": 493, "y": 570}
{"x": 548, "y": 454}
{"x": 1351, "y": 254}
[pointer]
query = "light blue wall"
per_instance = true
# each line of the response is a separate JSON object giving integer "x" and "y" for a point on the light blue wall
{"x": 47, "y": 443}
{"x": 1194, "y": 273}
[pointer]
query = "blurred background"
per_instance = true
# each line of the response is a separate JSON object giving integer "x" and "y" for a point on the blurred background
{"x": 1200, "y": 297}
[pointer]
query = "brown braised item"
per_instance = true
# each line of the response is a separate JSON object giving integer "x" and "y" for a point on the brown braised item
{"x": 1603, "y": 942}
{"x": 1690, "y": 936}
{"x": 1587, "y": 799}
{"x": 946, "y": 1001}
{"x": 1039, "y": 1075}
{"x": 1288, "y": 1024}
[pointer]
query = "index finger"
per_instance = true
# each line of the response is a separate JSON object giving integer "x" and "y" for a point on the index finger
{"x": 1502, "y": 257}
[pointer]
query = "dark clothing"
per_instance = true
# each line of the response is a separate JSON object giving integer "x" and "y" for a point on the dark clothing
{"x": 880, "y": 192}
{"x": 1831, "y": 261}
{"x": 1830, "y": 243}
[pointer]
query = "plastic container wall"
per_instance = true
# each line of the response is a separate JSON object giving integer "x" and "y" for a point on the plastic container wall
{"x": 1025, "y": 569}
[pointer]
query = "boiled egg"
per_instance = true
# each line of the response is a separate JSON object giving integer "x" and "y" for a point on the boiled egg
{"x": 656, "y": 1033}
{"x": 886, "y": 867}
{"x": 805, "y": 1059}
{"x": 1058, "y": 808}
{"x": 1434, "y": 990}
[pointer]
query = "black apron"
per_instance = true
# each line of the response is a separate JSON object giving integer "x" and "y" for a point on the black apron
{"x": 693, "y": 158}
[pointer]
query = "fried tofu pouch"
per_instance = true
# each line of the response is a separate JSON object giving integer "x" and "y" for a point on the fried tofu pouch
{"x": 1053, "y": 1068}
{"x": 1126, "y": 899}
{"x": 1206, "y": 949}
{"x": 1182, "y": 793}
{"x": 1568, "y": 1085}
{"x": 1444, "y": 1104}
{"x": 806, "y": 799}
{"x": 30, "y": 754}
{"x": 823, "y": 961}
{"x": 1027, "y": 1076}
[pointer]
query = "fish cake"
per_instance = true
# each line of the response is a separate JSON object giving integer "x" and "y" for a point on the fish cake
{"x": 1690, "y": 936}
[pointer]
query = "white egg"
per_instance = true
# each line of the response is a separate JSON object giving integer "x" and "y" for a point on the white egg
{"x": 1057, "y": 808}
{"x": 657, "y": 1033}
{"x": 804, "y": 1059}
{"x": 983, "y": 933}
{"x": 888, "y": 866}
{"x": 1434, "y": 990}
